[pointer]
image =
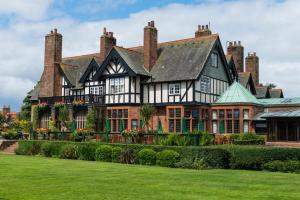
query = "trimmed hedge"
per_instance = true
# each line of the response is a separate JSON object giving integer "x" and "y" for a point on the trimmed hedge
{"x": 292, "y": 166}
{"x": 167, "y": 158}
{"x": 249, "y": 142}
{"x": 147, "y": 157}
{"x": 254, "y": 157}
{"x": 103, "y": 153}
{"x": 223, "y": 156}
{"x": 69, "y": 151}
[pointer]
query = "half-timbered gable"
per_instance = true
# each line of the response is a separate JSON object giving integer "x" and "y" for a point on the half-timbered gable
{"x": 122, "y": 71}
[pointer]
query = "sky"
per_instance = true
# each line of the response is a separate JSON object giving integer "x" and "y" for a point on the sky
{"x": 270, "y": 28}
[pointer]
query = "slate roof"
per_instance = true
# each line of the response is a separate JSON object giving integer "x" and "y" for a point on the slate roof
{"x": 134, "y": 59}
{"x": 237, "y": 93}
{"x": 34, "y": 93}
{"x": 276, "y": 93}
{"x": 182, "y": 59}
{"x": 262, "y": 92}
{"x": 245, "y": 78}
{"x": 74, "y": 67}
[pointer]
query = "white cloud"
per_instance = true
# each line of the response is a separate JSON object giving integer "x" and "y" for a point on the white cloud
{"x": 267, "y": 27}
{"x": 33, "y": 9}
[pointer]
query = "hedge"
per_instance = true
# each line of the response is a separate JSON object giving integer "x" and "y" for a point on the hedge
{"x": 167, "y": 158}
{"x": 147, "y": 157}
{"x": 222, "y": 156}
{"x": 254, "y": 157}
{"x": 292, "y": 166}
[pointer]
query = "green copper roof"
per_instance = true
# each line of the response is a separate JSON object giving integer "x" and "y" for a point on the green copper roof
{"x": 280, "y": 101}
{"x": 237, "y": 93}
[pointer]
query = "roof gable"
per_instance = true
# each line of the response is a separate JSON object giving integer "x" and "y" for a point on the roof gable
{"x": 129, "y": 59}
{"x": 262, "y": 92}
{"x": 245, "y": 79}
{"x": 92, "y": 66}
{"x": 237, "y": 93}
{"x": 276, "y": 93}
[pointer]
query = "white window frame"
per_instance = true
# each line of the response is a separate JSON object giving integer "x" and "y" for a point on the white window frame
{"x": 214, "y": 127}
{"x": 205, "y": 84}
{"x": 214, "y": 114}
{"x": 246, "y": 126}
{"x": 117, "y": 85}
{"x": 174, "y": 89}
{"x": 246, "y": 114}
{"x": 214, "y": 60}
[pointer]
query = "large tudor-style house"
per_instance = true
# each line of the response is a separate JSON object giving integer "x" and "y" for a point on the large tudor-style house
{"x": 190, "y": 78}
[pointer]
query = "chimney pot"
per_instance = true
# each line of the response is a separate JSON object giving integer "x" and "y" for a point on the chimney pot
{"x": 202, "y": 26}
{"x": 152, "y": 23}
{"x": 55, "y": 30}
{"x": 199, "y": 27}
{"x": 206, "y": 26}
{"x": 104, "y": 30}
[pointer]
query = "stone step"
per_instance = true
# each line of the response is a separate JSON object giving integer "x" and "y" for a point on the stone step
{"x": 11, "y": 148}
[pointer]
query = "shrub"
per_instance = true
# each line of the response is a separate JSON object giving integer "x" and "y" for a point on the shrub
{"x": 69, "y": 151}
{"x": 47, "y": 149}
{"x": 249, "y": 142}
{"x": 254, "y": 157}
{"x": 174, "y": 139}
{"x": 207, "y": 139}
{"x": 199, "y": 164}
{"x": 185, "y": 164}
{"x": 292, "y": 166}
{"x": 10, "y": 135}
{"x": 127, "y": 156}
{"x": 167, "y": 158}
{"x": 86, "y": 151}
{"x": 103, "y": 153}
{"x": 28, "y": 148}
{"x": 116, "y": 154}
{"x": 147, "y": 157}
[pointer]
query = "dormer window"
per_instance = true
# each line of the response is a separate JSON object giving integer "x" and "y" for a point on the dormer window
{"x": 214, "y": 59}
{"x": 174, "y": 89}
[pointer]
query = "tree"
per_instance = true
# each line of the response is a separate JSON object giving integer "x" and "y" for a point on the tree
{"x": 25, "y": 113}
{"x": 2, "y": 120}
{"x": 63, "y": 117}
{"x": 91, "y": 119}
{"x": 147, "y": 111}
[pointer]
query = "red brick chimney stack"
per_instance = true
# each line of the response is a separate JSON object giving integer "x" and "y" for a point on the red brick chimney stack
{"x": 202, "y": 31}
{"x": 236, "y": 50}
{"x": 150, "y": 45}
{"x": 107, "y": 41}
{"x": 50, "y": 80}
{"x": 252, "y": 66}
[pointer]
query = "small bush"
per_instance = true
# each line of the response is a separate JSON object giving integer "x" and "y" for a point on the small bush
{"x": 103, "y": 153}
{"x": 28, "y": 148}
{"x": 147, "y": 157}
{"x": 291, "y": 166}
{"x": 167, "y": 158}
{"x": 69, "y": 151}
{"x": 86, "y": 151}
{"x": 116, "y": 154}
{"x": 185, "y": 164}
{"x": 207, "y": 139}
{"x": 249, "y": 142}
{"x": 127, "y": 156}
{"x": 10, "y": 135}
{"x": 174, "y": 139}
{"x": 47, "y": 149}
{"x": 199, "y": 164}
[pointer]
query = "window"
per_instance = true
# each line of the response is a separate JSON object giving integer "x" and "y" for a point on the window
{"x": 246, "y": 126}
{"x": 214, "y": 127}
{"x": 45, "y": 118}
{"x": 115, "y": 116}
{"x": 134, "y": 124}
{"x": 192, "y": 119}
{"x": 236, "y": 114}
{"x": 246, "y": 114}
{"x": 116, "y": 85}
{"x": 174, "y": 119}
{"x": 80, "y": 119}
{"x": 174, "y": 89}
{"x": 214, "y": 59}
{"x": 214, "y": 114}
{"x": 229, "y": 121}
{"x": 205, "y": 84}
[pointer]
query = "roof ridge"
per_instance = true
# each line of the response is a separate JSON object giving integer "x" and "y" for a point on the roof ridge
{"x": 84, "y": 55}
{"x": 128, "y": 49}
{"x": 180, "y": 40}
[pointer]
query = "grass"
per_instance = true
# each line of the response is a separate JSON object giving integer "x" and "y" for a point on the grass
{"x": 35, "y": 178}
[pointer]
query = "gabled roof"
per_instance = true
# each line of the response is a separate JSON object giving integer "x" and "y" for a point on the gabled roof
{"x": 276, "y": 93}
{"x": 34, "y": 93}
{"x": 245, "y": 79}
{"x": 262, "y": 92}
{"x": 237, "y": 93}
{"x": 134, "y": 59}
{"x": 74, "y": 67}
{"x": 183, "y": 59}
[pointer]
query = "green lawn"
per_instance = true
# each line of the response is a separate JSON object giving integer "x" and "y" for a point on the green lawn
{"x": 28, "y": 178}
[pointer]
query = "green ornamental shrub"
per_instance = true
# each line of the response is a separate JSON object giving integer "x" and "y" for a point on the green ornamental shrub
{"x": 86, "y": 151}
{"x": 103, "y": 153}
{"x": 10, "y": 135}
{"x": 184, "y": 163}
{"x": 69, "y": 151}
{"x": 291, "y": 166}
{"x": 47, "y": 149}
{"x": 116, "y": 154}
{"x": 128, "y": 155}
{"x": 207, "y": 139}
{"x": 147, "y": 157}
{"x": 28, "y": 147}
{"x": 167, "y": 158}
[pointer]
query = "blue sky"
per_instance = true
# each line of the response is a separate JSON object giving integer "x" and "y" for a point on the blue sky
{"x": 268, "y": 27}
